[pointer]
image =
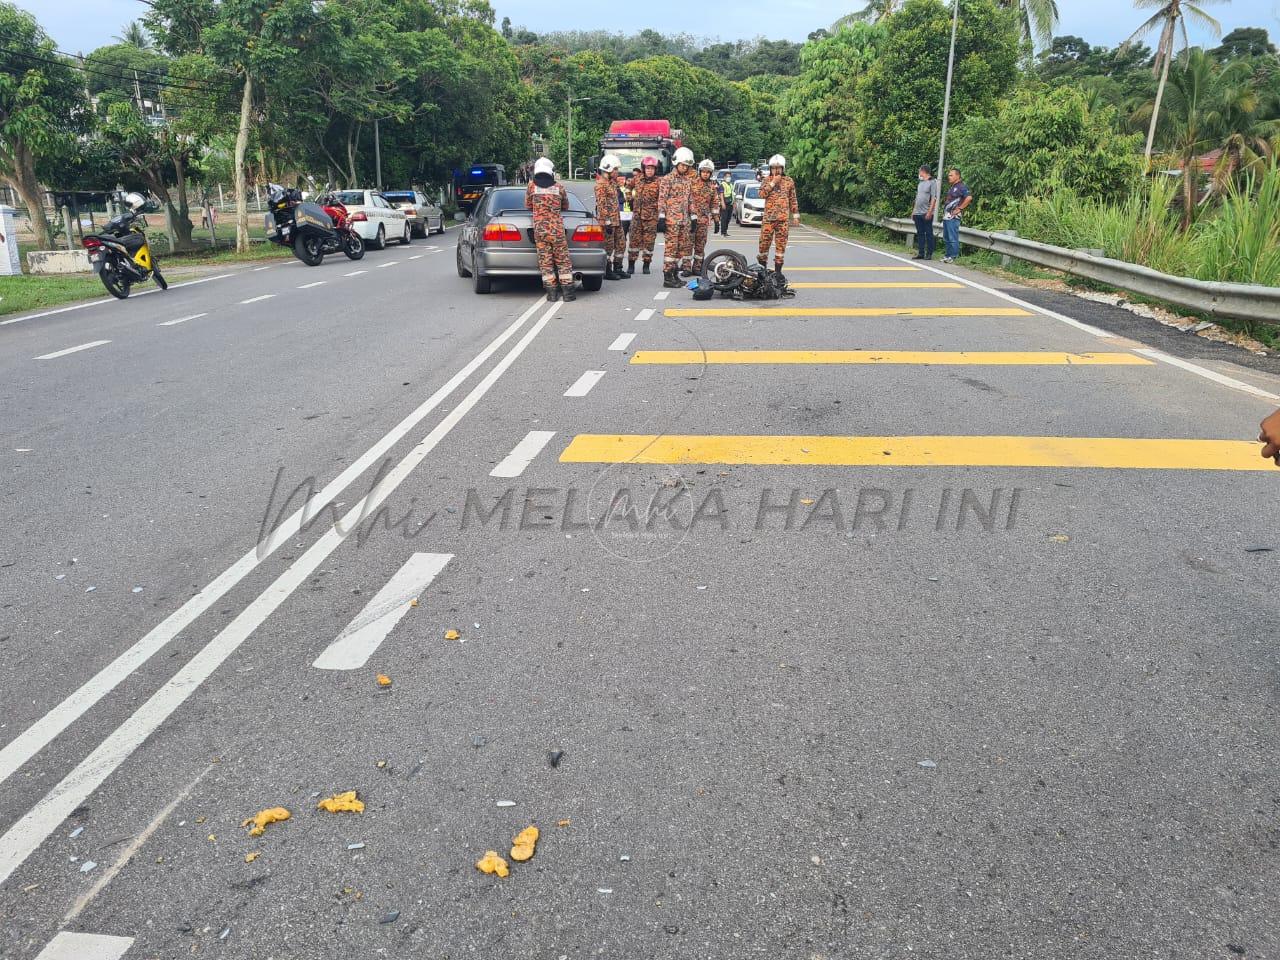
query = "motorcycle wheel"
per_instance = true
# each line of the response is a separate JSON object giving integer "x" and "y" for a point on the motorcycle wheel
{"x": 719, "y": 267}
{"x": 117, "y": 285}
{"x": 161, "y": 282}
{"x": 310, "y": 250}
{"x": 353, "y": 246}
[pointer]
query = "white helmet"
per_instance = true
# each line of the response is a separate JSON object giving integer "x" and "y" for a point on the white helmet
{"x": 544, "y": 165}
{"x": 778, "y": 160}
{"x": 707, "y": 164}
{"x": 684, "y": 155}
{"x": 610, "y": 162}
{"x": 134, "y": 201}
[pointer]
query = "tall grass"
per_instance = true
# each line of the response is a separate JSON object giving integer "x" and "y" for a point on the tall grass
{"x": 1241, "y": 241}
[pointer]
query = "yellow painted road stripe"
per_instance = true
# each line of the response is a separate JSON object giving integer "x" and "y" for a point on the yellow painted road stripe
{"x": 841, "y": 269}
{"x": 977, "y": 451}
{"x": 847, "y": 312}
{"x": 927, "y": 357}
{"x": 875, "y": 285}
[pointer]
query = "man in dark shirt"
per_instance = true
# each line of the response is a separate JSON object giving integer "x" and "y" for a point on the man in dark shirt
{"x": 958, "y": 199}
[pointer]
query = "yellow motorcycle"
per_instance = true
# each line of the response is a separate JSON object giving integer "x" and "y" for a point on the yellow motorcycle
{"x": 120, "y": 255}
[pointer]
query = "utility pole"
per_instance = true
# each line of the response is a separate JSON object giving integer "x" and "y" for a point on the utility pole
{"x": 377, "y": 154}
{"x": 946, "y": 101}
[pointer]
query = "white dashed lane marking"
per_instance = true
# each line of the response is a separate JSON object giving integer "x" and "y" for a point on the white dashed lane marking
{"x": 582, "y": 386}
{"x": 62, "y": 353}
{"x": 518, "y": 459}
{"x": 623, "y": 341}
{"x": 171, "y": 323}
{"x": 363, "y": 635}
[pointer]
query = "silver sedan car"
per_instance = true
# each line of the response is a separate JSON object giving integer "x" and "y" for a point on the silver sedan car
{"x": 497, "y": 241}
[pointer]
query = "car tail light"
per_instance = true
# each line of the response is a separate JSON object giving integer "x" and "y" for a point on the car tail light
{"x": 588, "y": 232}
{"x": 358, "y": 217}
{"x": 91, "y": 243}
{"x": 409, "y": 211}
{"x": 502, "y": 232}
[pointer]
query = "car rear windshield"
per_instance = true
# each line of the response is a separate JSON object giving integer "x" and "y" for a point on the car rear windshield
{"x": 513, "y": 201}
{"x": 350, "y": 197}
{"x": 399, "y": 196}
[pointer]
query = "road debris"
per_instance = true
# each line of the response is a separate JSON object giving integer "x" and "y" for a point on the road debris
{"x": 604, "y": 889}
{"x": 250, "y": 857}
{"x": 625, "y": 858}
{"x": 355, "y": 846}
{"x": 492, "y": 863}
{"x": 391, "y": 917}
{"x": 212, "y": 838}
{"x": 384, "y": 680}
{"x": 524, "y": 844}
{"x": 76, "y": 832}
{"x": 452, "y": 635}
{"x": 554, "y": 757}
{"x": 346, "y": 802}
{"x": 1059, "y": 538}
{"x": 265, "y": 817}
{"x": 87, "y": 866}
{"x": 506, "y": 803}
{"x": 562, "y": 823}
{"x": 928, "y": 764}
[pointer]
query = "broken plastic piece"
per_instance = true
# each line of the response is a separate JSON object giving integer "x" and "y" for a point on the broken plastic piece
{"x": 451, "y": 634}
{"x": 524, "y": 843}
{"x": 492, "y": 863}
{"x": 250, "y": 857}
{"x": 87, "y": 866}
{"x": 384, "y": 680}
{"x": 506, "y": 803}
{"x": 355, "y": 846}
{"x": 268, "y": 816}
{"x": 562, "y": 823}
{"x": 554, "y": 757}
{"x": 346, "y": 802}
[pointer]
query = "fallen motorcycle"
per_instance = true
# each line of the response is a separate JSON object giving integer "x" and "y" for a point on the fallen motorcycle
{"x": 727, "y": 273}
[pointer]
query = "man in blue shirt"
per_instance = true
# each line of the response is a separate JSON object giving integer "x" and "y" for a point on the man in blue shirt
{"x": 958, "y": 198}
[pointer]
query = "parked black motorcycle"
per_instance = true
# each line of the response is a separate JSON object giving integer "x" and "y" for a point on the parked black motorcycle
{"x": 305, "y": 227}
{"x": 120, "y": 254}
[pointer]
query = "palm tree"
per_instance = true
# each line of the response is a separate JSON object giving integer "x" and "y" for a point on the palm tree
{"x": 873, "y": 12}
{"x": 135, "y": 36}
{"x": 1170, "y": 16}
{"x": 1212, "y": 107}
{"x": 1038, "y": 18}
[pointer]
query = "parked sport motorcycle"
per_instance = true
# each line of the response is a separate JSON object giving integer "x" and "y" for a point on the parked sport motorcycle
{"x": 305, "y": 227}
{"x": 352, "y": 242}
{"x": 120, "y": 254}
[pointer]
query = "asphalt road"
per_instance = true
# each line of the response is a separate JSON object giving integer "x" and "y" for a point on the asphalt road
{"x": 841, "y": 633}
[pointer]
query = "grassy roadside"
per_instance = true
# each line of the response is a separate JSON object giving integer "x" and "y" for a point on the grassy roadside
{"x": 987, "y": 262}
{"x": 27, "y": 292}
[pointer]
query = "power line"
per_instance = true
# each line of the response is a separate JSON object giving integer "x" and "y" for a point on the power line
{"x": 94, "y": 70}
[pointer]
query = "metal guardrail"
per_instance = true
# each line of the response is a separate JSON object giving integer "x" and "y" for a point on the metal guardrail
{"x": 1242, "y": 301}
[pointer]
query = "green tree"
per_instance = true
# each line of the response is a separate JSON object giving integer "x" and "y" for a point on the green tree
{"x": 820, "y": 108}
{"x": 42, "y": 108}
{"x": 1041, "y": 141}
{"x": 897, "y": 118}
{"x": 1170, "y": 17}
{"x": 135, "y": 35}
{"x": 1038, "y": 18}
{"x": 1244, "y": 42}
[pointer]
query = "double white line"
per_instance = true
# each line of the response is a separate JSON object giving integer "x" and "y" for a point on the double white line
{"x": 25, "y": 836}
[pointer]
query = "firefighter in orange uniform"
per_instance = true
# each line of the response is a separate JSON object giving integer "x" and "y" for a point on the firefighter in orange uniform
{"x": 781, "y": 209}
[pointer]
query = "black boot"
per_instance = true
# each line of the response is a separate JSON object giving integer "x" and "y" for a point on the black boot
{"x": 609, "y": 273}
{"x": 645, "y": 268}
{"x": 568, "y": 293}
{"x": 553, "y": 293}
{"x": 670, "y": 279}
{"x": 777, "y": 268}
{"x": 622, "y": 274}
{"x": 763, "y": 261}
{"x": 631, "y": 268}
{"x": 697, "y": 268}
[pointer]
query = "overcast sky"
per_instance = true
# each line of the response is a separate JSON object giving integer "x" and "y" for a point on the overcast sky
{"x": 81, "y": 25}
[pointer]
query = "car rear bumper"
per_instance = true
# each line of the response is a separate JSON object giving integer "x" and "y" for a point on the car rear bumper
{"x": 523, "y": 262}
